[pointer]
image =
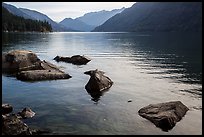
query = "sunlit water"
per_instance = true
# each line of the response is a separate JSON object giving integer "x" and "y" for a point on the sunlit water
{"x": 146, "y": 68}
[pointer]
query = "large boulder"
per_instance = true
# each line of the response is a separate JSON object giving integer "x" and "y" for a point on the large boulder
{"x": 18, "y": 60}
{"x": 98, "y": 81}
{"x": 76, "y": 59}
{"x": 27, "y": 66}
{"x": 6, "y": 109}
{"x": 164, "y": 115}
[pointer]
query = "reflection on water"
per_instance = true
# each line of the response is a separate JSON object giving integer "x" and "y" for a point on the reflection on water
{"x": 146, "y": 68}
{"x": 95, "y": 95}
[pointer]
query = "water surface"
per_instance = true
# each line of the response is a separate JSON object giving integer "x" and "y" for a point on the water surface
{"x": 145, "y": 67}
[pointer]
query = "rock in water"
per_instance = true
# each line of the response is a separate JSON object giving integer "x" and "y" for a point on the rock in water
{"x": 47, "y": 71}
{"x": 36, "y": 75}
{"x": 76, "y": 59}
{"x": 79, "y": 60}
{"x": 11, "y": 125}
{"x": 6, "y": 109}
{"x": 98, "y": 81}
{"x": 28, "y": 67}
{"x": 18, "y": 60}
{"x": 164, "y": 115}
{"x": 26, "y": 113}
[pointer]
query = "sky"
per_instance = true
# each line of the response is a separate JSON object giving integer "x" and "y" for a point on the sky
{"x": 57, "y": 11}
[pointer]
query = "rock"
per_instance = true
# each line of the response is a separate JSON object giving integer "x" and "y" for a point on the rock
{"x": 79, "y": 60}
{"x": 28, "y": 66}
{"x": 98, "y": 81}
{"x": 64, "y": 59}
{"x": 18, "y": 60}
{"x": 11, "y": 125}
{"x": 45, "y": 65}
{"x": 6, "y": 109}
{"x": 164, "y": 115}
{"x": 76, "y": 59}
{"x": 36, "y": 75}
{"x": 26, "y": 113}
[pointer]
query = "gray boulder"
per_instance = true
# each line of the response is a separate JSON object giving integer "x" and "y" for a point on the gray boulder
{"x": 97, "y": 83}
{"x": 76, "y": 59}
{"x": 27, "y": 66}
{"x": 164, "y": 115}
{"x": 18, "y": 60}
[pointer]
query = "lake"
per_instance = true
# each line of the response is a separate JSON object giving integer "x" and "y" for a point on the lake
{"x": 146, "y": 68}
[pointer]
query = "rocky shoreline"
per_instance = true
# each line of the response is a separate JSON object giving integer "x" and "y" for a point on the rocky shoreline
{"x": 13, "y": 124}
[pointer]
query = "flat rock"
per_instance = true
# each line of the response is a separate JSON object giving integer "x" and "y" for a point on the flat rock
{"x": 6, "y": 109}
{"x": 76, "y": 59}
{"x": 36, "y": 75}
{"x": 164, "y": 115}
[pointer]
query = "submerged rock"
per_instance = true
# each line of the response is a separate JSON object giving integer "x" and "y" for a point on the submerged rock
{"x": 76, "y": 59}
{"x": 6, "y": 109}
{"x": 164, "y": 115}
{"x": 97, "y": 83}
{"x": 26, "y": 113}
{"x": 18, "y": 60}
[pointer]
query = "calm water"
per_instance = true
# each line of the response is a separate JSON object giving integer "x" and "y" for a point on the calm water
{"x": 145, "y": 67}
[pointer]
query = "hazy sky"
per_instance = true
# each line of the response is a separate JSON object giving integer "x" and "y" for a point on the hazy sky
{"x": 57, "y": 11}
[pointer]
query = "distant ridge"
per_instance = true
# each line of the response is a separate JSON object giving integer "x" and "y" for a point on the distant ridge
{"x": 157, "y": 16}
{"x": 34, "y": 15}
{"x": 90, "y": 20}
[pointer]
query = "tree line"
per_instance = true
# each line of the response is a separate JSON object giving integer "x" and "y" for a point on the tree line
{"x": 12, "y": 23}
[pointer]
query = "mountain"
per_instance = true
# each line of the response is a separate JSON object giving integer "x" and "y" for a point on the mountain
{"x": 34, "y": 15}
{"x": 76, "y": 24}
{"x": 157, "y": 16}
{"x": 98, "y": 18}
{"x": 39, "y": 16}
{"x": 12, "y": 9}
{"x": 11, "y": 23}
